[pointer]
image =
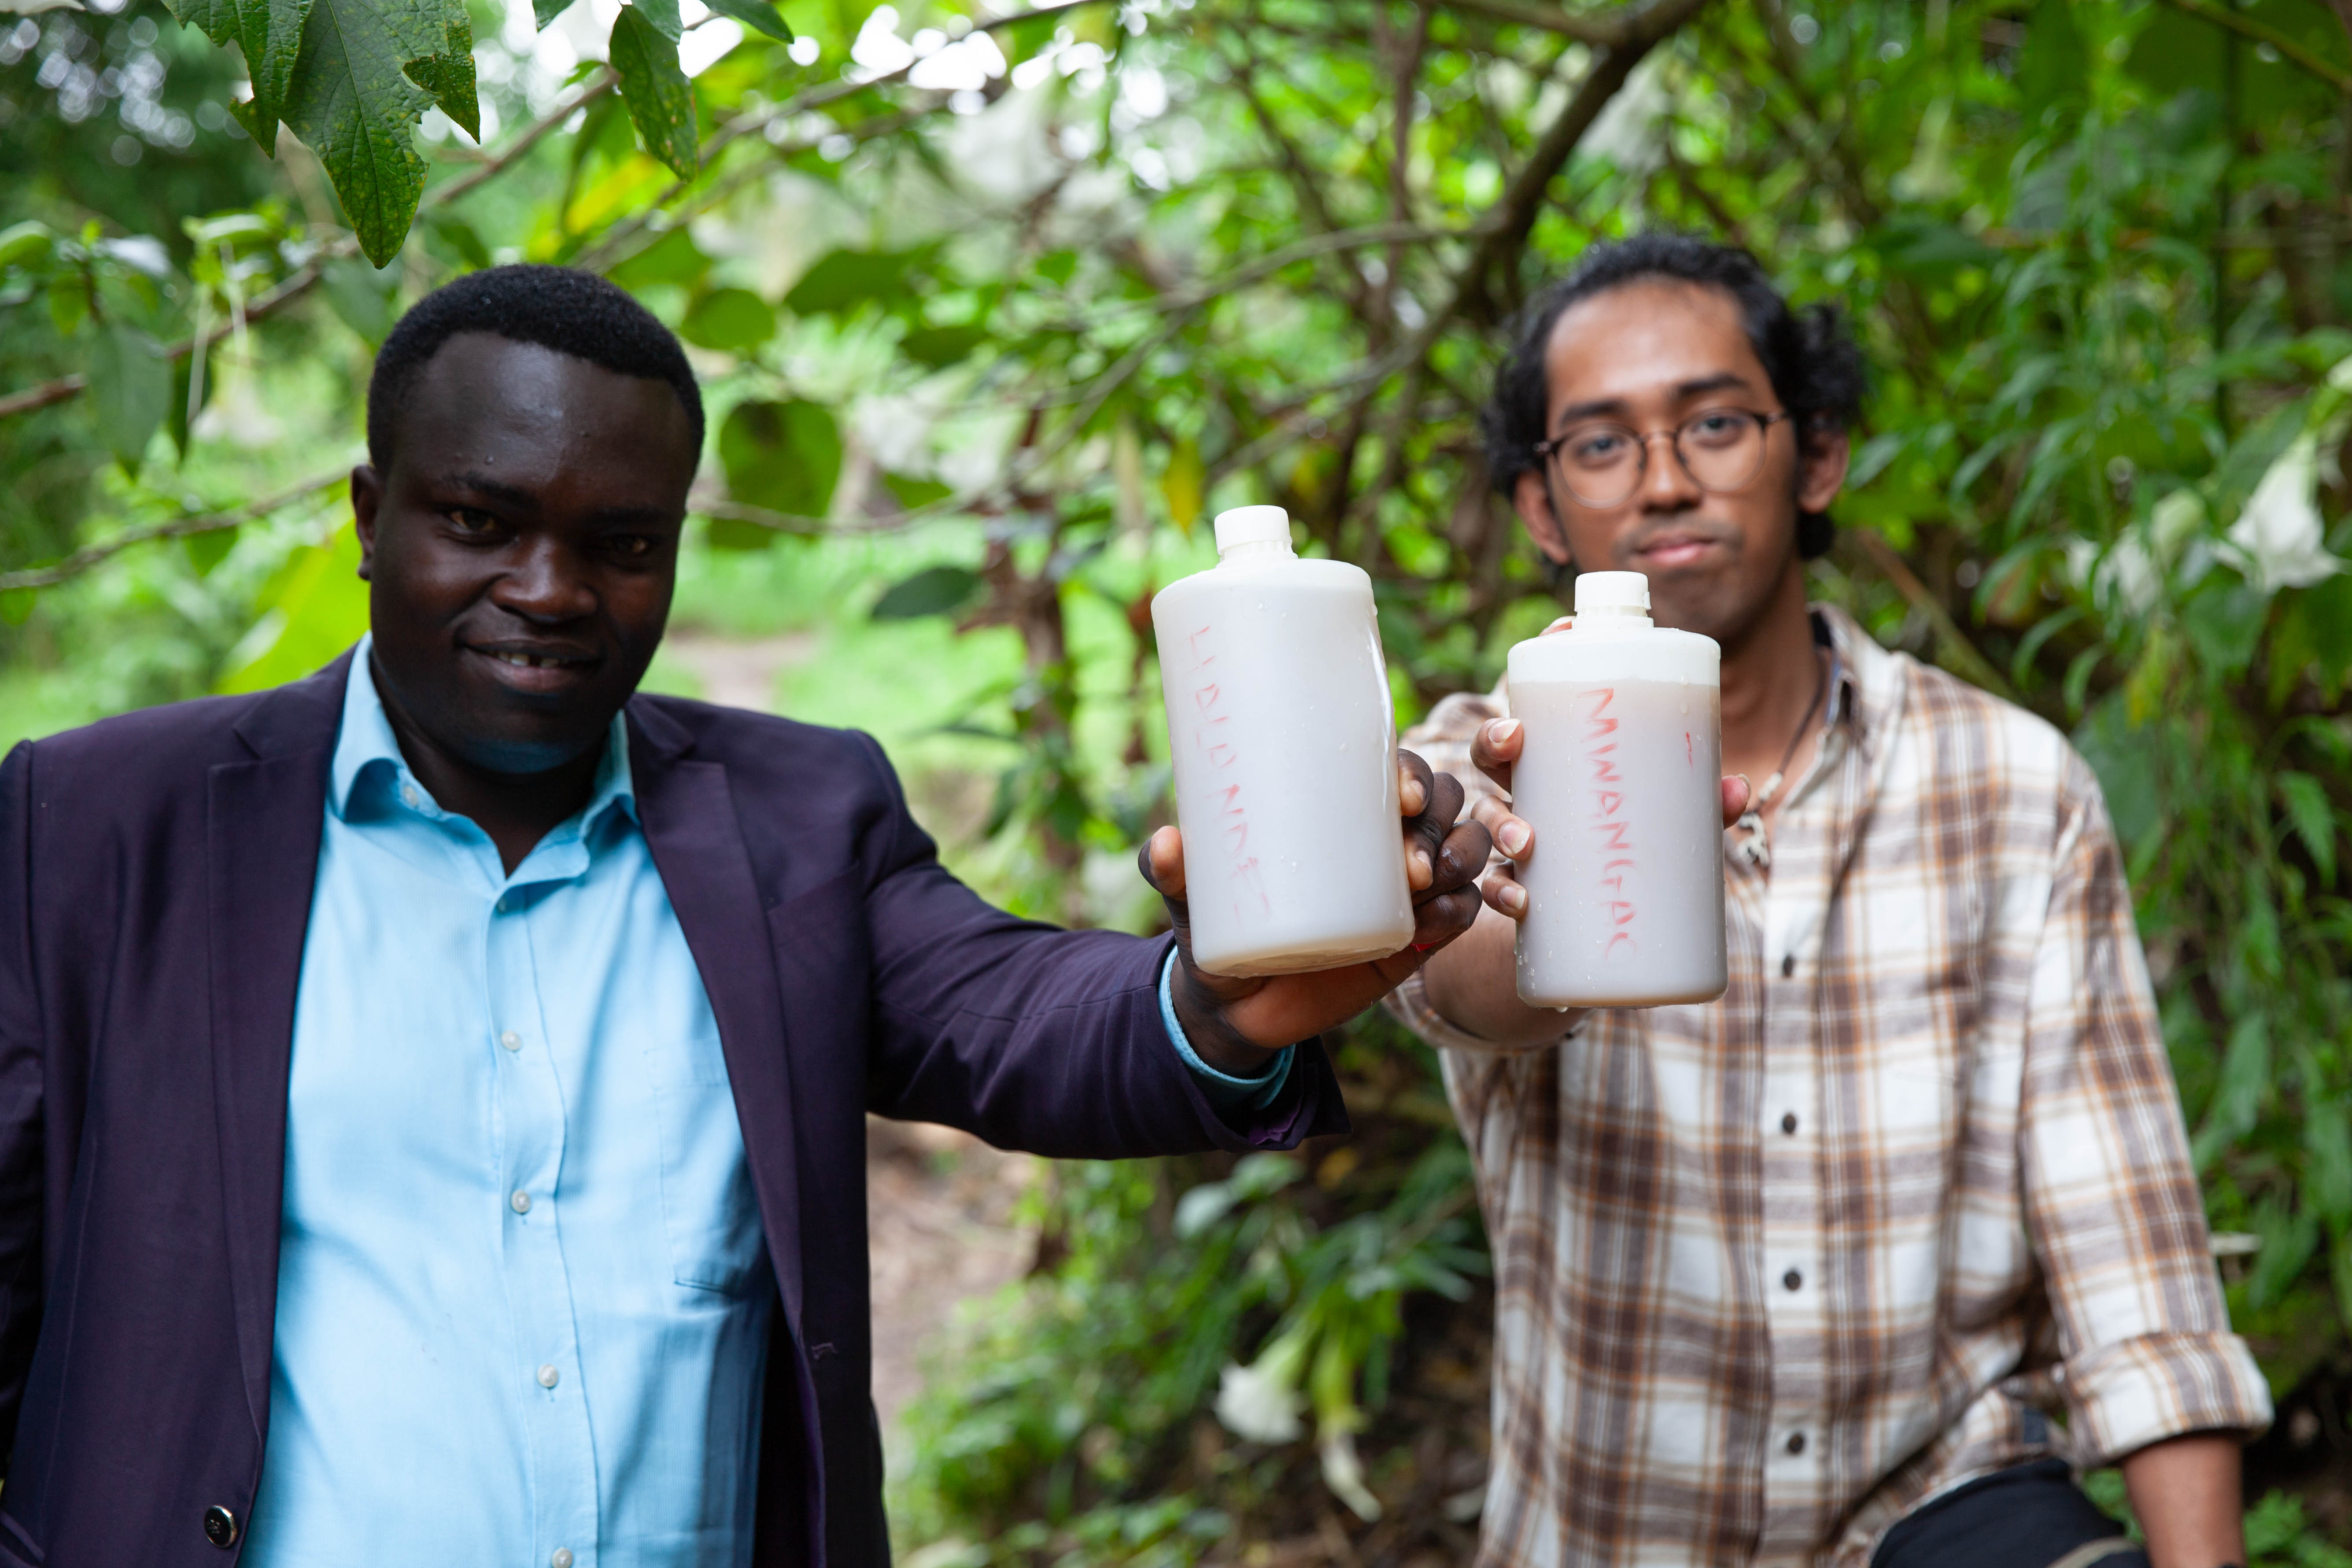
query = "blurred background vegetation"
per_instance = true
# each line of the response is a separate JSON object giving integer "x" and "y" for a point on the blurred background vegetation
{"x": 993, "y": 311}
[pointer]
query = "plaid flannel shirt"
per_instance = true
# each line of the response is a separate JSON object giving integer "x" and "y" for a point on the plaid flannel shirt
{"x": 1773, "y": 1270}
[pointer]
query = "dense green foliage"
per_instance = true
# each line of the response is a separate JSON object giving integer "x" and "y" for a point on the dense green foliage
{"x": 991, "y": 317}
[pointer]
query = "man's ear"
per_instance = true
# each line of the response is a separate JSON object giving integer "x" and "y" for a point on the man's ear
{"x": 367, "y": 494}
{"x": 1532, "y": 498}
{"x": 1822, "y": 456}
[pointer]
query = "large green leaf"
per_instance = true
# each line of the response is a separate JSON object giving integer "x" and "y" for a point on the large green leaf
{"x": 368, "y": 71}
{"x": 317, "y": 608}
{"x": 730, "y": 319}
{"x": 543, "y": 12}
{"x": 843, "y": 277}
{"x": 448, "y": 75}
{"x": 756, "y": 14}
{"x": 933, "y": 591}
{"x": 130, "y": 388}
{"x": 663, "y": 15}
{"x": 785, "y": 456}
{"x": 269, "y": 33}
{"x": 661, "y": 99}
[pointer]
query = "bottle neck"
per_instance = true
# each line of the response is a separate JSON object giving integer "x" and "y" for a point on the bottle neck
{"x": 1254, "y": 551}
{"x": 1613, "y": 616}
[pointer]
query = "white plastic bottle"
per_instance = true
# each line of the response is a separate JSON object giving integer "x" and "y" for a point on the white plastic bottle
{"x": 1283, "y": 739}
{"x": 1619, "y": 778}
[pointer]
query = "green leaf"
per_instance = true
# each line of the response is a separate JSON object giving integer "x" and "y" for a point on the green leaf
{"x": 661, "y": 99}
{"x": 756, "y": 14}
{"x": 131, "y": 390}
{"x": 208, "y": 549}
{"x": 728, "y": 320}
{"x": 938, "y": 347}
{"x": 844, "y": 278}
{"x": 269, "y": 35}
{"x": 459, "y": 236}
{"x": 318, "y": 609}
{"x": 785, "y": 456}
{"x": 448, "y": 75}
{"x": 912, "y": 492}
{"x": 672, "y": 259}
{"x": 2309, "y": 808}
{"x": 933, "y": 591}
{"x": 361, "y": 296}
{"x": 368, "y": 71}
{"x": 663, "y": 15}
{"x": 543, "y": 12}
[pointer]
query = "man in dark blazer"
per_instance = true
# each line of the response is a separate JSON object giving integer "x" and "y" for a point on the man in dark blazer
{"x": 431, "y": 1094}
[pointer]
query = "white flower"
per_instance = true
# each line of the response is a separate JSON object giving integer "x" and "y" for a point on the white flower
{"x": 1345, "y": 1476}
{"x": 2279, "y": 534}
{"x": 1258, "y": 1404}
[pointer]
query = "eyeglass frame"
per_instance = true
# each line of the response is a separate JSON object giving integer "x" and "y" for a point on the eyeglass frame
{"x": 1545, "y": 449}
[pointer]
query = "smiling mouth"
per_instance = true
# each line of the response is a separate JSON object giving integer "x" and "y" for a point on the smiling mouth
{"x": 533, "y": 661}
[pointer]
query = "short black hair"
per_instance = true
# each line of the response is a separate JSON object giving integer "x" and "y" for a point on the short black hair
{"x": 573, "y": 312}
{"x": 1811, "y": 356}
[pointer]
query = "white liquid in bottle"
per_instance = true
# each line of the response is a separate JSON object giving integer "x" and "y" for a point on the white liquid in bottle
{"x": 1619, "y": 777}
{"x": 1283, "y": 740}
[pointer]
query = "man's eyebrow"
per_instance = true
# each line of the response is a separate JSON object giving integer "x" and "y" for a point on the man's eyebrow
{"x": 496, "y": 489}
{"x": 1618, "y": 408}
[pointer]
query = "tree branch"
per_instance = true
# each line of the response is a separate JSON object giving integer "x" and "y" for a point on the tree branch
{"x": 89, "y": 556}
{"x": 1601, "y": 32}
{"x": 2334, "y": 76}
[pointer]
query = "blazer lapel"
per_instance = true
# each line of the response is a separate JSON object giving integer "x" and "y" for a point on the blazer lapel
{"x": 263, "y": 822}
{"x": 688, "y": 815}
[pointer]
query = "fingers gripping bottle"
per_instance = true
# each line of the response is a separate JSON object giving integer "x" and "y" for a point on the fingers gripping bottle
{"x": 1283, "y": 739}
{"x": 1619, "y": 776}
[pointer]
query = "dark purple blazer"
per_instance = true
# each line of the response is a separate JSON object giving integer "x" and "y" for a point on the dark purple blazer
{"x": 155, "y": 880}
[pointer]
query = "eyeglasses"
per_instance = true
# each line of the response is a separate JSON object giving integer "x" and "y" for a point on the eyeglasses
{"x": 1602, "y": 463}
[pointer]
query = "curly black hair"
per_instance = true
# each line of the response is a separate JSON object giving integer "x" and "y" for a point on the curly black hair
{"x": 1816, "y": 369}
{"x": 575, "y": 313}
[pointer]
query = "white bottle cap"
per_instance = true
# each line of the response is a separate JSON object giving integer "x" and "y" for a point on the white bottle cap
{"x": 1253, "y": 525}
{"x": 1625, "y": 593}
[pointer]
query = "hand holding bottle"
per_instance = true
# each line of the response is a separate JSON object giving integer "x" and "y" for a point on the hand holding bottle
{"x": 1234, "y": 1022}
{"x": 1494, "y": 750}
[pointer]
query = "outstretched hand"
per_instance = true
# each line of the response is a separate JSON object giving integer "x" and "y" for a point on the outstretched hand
{"x": 1235, "y": 1024}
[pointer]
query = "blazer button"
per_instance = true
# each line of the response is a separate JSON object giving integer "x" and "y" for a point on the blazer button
{"x": 220, "y": 1527}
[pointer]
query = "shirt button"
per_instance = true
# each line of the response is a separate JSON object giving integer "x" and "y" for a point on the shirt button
{"x": 510, "y": 1040}
{"x": 502, "y": 905}
{"x": 1789, "y": 1121}
{"x": 562, "y": 1558}
{"x": 547, "y": 1376}
{"x": 1796, "y": 1442}
{"x": 1792, "y": 1279}
{"x": 521, "y": 1201}
{"x": 408, "y": 796}
{"x": 1788, "y": 965}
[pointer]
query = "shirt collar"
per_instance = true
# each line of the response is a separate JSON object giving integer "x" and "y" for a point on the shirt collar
{"x": 367, "y": 749}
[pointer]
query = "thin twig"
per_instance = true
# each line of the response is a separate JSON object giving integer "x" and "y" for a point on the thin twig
{"x": 89, "y": 556}
{"x": 2334, "y": 76}
{"x": 1602, "y": 33}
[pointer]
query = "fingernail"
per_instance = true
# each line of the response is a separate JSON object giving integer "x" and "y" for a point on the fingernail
{"x": 1505, "y": 730}
{"x": 1513, "y": 839}
{"x": 1515, "y": 901}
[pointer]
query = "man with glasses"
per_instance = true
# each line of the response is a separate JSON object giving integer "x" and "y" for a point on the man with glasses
{"x": 1861, "y": 1264}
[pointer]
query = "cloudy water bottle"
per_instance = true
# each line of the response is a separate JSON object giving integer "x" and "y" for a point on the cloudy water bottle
{"x": 1620, "y": 777}
{"x": 1283, "y": 740}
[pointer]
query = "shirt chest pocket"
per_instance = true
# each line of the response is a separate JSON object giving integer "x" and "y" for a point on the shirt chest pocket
{"x": 708, "y": 1211}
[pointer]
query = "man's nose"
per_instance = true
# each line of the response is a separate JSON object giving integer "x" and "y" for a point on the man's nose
{"x": 547, "y": 584}
{"x": 1666, "y": 485}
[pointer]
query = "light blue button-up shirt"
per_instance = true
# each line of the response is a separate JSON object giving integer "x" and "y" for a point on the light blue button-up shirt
{"x": 522, "y": 1302}
{"x": 522, "y": 1292}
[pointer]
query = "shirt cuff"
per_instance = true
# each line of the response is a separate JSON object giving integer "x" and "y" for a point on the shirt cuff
{"x": 2145, "y": 1389}
{"x": 1225, "y": 1092}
